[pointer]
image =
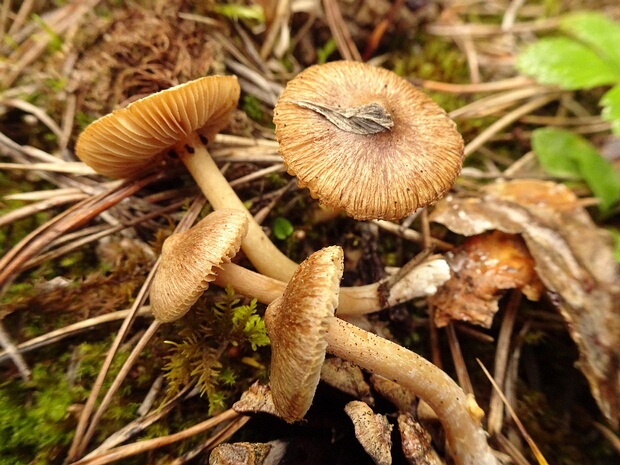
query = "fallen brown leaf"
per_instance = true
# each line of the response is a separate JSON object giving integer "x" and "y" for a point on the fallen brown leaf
{"x": 574, "y": 260}
{"x": 481, "y": 270}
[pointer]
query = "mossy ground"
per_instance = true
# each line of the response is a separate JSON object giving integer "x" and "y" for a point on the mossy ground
{"x": 125, "y": 50}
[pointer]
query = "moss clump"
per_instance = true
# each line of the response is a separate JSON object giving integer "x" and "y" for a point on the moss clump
{"x": 217, "y": 349}
{"x": 38, "y": 417}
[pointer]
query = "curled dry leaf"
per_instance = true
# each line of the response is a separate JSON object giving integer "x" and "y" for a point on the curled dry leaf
{"x": 256, "y": 399}
{"x": 346, "y": 377}
{"x": 416, "y": 442}
{"x": 372, "y": 431}
{"x": 481, "y": 269}
{"x": 574, "y": 259}
{"x": 248, "y": 453}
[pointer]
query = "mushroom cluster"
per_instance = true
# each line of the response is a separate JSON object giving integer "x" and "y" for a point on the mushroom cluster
{"x": 361, "y": 139}
{"x": 302, "y": 327}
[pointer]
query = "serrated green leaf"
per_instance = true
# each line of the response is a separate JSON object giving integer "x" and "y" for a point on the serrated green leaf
{"x": 556, "y": 149}
{"x": 611, "y": 108}
{"x": 282, "y": 228}
{"x": 598, "y": 31}
{"x": 565, "y": 62}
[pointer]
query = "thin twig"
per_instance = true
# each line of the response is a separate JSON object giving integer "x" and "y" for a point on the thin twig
{"x": 77, "y": 215}
{"x": 459, "y": 362}
{"x": 140, "y": 424}
{"x": 213, "y": 441}
{"x": 494, "y": 86}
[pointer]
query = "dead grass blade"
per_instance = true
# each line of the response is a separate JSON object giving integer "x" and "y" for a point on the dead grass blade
{"x": 535, "y": 450}
{"x": 84, "y": 431}
{"x": 496, "y": 411}
{"x": 340, "y": 32}
{"x": 73, "y": 329}
{"x": 37, "y": 240}
{"x": 136, "y": 448}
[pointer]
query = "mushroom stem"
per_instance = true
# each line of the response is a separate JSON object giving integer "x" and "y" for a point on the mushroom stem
{"x": 458, "y": 414}
{"x": 357, "y": 300}
{"x": 263, "y": 254}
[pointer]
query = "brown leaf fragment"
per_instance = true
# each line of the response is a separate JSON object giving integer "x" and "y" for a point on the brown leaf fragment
{"x": 346, "y": 377}
{"x": 481, "y": 270}
{"x": 372, "y": 431}
{"x": 248, "y": 453}
{"x": 416, "y": 442}
{"x": 256, "y": 399}
{"x": 574, "y": 260}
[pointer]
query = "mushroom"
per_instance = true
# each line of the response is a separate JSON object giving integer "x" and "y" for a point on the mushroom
{"x": 189, "y": 261}
{"x": 364, "y": 140}
{"x": 421, "y": 281}
{"x": 302, "y": 327}
{"x": 181, "y": 119}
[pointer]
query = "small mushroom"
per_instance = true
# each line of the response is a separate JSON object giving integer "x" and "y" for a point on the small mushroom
{"x": 181, "y": 119}
{"x": 201, "y": 255}
{"x": 189, "y": 261}
{"x": 302, "y": 326}
{"x": 365, "y": 140}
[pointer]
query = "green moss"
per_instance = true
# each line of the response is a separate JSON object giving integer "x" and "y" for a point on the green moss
{"x": 217, "y": 350}
{"x": 38, "y": 417}
{"x": 253, "y": 107}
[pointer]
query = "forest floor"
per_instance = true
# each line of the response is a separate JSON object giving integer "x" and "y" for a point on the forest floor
{"x": 533, "y": 249}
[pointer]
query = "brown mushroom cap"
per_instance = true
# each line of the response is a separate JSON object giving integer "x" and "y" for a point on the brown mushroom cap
{"x": 296, "y": 323}
{"x": 127, "y": 140}
{"x": 382, "y": 175}
{"x": 188, "y": 260}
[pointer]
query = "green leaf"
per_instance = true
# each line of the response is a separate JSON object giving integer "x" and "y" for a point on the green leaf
{"x": 611, "y": 108}
{"x": 323, "y": 53}
{"x": 552, "y": 149}
{"x": 598, "y": 31}
{"x": 567, "y": 63}
{"x": 237, "y": 12}
{"x": 282, "y": 228}
{"x": 564, "y": 153}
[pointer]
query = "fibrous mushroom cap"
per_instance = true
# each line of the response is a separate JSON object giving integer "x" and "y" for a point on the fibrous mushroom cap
{"x": 385, "y": 175}
{"x": 296, "y": 323}
{"x": 127, "y": 140}
{"x": 189, "y": 259}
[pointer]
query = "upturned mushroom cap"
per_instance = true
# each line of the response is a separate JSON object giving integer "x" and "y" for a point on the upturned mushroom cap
{"x": 365, "y": 140}
{"x": 296, "y": 323}
{"x": 189, "y": 260}
{"x": 128, "y": 140}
